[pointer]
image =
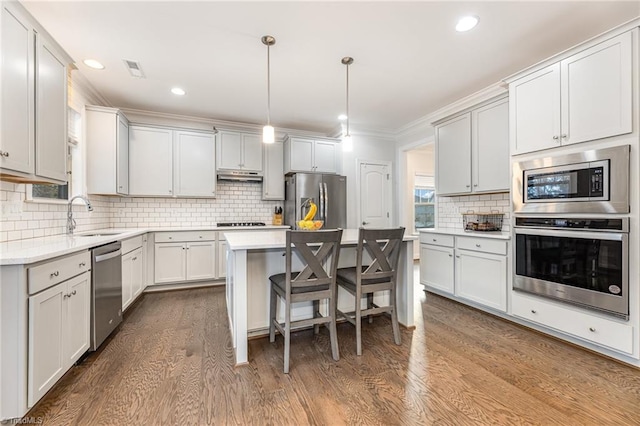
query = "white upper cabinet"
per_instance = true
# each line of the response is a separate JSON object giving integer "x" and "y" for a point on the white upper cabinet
{"x": 33, "y": 142}
{"x": 51, "y": 111}
{"x": 586, "y": 96}
{"x": 107, "y": 151}
{"x": 535, "y": 110}
{"x": 17, "y": 126}
{"x": 472, "y": 150}
{"x": 171, "y": 162}
{"x": 195, "y": 173}
{"x": 490, "y": 147}
{"x": 239, "y": 151}
{"x": 311, "y": 155}
{"x": 596, "y": 91}
{"x": 150, "y": 161}
{"x": 273, "y": 180}
{"x": 453, "y": 154}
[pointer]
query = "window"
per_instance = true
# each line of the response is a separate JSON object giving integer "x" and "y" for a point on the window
{"x": 424, "y": 197}
{"x": 48, "y": 192}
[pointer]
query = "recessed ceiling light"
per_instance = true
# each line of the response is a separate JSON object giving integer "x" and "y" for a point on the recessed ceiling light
{"x": 342, "y": 117}
{"x": 178, "y": 91}
{"x": 92, "y": 63}
{"x": 466, "y": 23}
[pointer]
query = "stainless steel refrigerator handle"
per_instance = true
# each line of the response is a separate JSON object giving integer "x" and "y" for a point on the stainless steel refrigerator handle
{"x": 108, "y": 256}
{"x": 321, "y": 201}
{"x": 326, "y": 200}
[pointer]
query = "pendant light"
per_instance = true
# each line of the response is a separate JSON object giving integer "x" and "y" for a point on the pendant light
{"x": 347, "y": 143}
{"x": 268, "y": 132}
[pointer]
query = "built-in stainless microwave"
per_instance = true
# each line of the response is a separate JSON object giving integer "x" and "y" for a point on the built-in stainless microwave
{"x": 593, "y": 181}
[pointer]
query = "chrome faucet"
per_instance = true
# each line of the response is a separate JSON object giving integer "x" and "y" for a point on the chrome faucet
{"x": 71, "y": 222}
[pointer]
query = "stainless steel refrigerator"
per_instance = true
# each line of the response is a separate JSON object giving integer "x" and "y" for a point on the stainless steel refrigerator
{"x": 329, "y": 192}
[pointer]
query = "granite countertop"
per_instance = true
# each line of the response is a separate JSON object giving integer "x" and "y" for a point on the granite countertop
{"x": 277, "y": 239}
{"x": 38, "y": 249}
{"x": 460, "y": 233}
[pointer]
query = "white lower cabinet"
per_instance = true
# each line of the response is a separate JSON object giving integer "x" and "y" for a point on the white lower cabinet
{"x": 201, "y": 260}
{"x": 436, "y": 267}
{"x": 185, "y": 256}
{"x": 482, "y": 278}
{"x": 132, "y": 276}
{"x": 573, "y": 321}
{"x": 58, "y": 332}
{"x": 470, "y": 269}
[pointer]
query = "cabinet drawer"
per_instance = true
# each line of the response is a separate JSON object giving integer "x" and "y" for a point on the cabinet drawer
{"x": 51, "y": 273}
{"x": 601, "y": 331}
{"x": 482, "y": 244}
{"x": 185, "y": 236}
{"x": 131, "y": 244}
{"x": 436, "y": 239}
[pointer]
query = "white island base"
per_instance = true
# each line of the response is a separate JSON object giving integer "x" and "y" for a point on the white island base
{"x": 253, "y": 257}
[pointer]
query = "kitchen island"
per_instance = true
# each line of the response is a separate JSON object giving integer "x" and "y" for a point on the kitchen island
{"x": 253, "y": 257}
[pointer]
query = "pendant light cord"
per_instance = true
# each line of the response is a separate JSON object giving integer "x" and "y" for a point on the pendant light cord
{"x": 268, "y": 85}
{"x": 348, "y": 100}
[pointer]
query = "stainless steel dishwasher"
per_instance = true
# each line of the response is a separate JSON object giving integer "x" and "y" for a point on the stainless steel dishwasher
{"x": 106, "y": 293}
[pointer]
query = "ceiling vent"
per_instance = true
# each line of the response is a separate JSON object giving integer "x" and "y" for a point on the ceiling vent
{"x": 134, "y": 68}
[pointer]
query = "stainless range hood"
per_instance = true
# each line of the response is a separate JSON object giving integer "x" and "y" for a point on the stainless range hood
{"x": 240, "y": 176}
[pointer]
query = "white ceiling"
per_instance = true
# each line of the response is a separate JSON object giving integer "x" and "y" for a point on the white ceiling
{"x": 409, "y": 60}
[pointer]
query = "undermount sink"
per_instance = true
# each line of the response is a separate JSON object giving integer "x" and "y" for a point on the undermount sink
{"x": 97, "y": 234}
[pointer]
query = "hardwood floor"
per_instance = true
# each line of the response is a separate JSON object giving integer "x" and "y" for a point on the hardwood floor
{"x": 172, "y": 363}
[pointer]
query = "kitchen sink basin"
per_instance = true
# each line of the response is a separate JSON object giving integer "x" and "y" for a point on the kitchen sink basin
{"x": 98, "y": 234}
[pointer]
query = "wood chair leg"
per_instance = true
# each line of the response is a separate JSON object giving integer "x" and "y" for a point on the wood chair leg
{"x": 272, "y": 315}
{"x": 316, "y": 314}
{"x": 358, "y": 319}
{"x": 369, "y": 306}
{"x": 287, "y": 339}
{"x": 394, "y": 318}
{"x": 333, "y": 331}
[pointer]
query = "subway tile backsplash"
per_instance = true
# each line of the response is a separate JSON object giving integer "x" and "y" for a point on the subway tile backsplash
{"x": 450, "y": 209}
{"x": 235, "y": 202}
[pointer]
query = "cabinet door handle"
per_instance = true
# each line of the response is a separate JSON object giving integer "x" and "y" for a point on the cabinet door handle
{"x": 171, "y": 238}
{"x": 82, "y": 264}
{"x": 450, "y": 255}
{"x": 66, "y": 296}
{"x": 434, "y": 240}
{"x": 73, "y": 293}
{"x": 5, "y": 154}
{"x": 457, "y": 257}
{"x": 54, "y": 274}
{"x": 475, "y": 185}
{"x": 564, "y": 136}
{"x": 478, "y": 245}
{"x": 592, "y": 329}
{"x": 468, "y": 186}
{"x": 135, "y": 258}
{"x": 533, "y": 311}
{"x": 555, "y": 137}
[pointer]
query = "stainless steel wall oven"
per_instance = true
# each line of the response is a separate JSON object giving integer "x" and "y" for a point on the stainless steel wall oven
{"x": 576, "y": 260}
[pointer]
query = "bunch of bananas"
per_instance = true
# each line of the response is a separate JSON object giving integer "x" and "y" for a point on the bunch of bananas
{"x": 308, "y": 222}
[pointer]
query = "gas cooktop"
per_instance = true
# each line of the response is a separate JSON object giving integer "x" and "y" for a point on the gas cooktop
{"x": 240, "y": 224}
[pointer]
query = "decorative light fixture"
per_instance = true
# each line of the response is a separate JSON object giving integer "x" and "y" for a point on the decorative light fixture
{"x": 347, "y": 143}
{"x": 268, "y": 133}
{"x": 92, "y": 63}
{"x": 178, "y": 91}
{"x": 466, "y": 23}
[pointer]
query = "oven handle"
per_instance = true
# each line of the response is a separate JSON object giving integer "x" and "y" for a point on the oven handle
{"x": 597, "y": 235}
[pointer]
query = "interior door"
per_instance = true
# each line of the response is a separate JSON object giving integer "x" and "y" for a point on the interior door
{"x": 375, "y": 196}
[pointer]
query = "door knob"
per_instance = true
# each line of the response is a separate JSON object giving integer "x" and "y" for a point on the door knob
{"x": 364, "y": 223}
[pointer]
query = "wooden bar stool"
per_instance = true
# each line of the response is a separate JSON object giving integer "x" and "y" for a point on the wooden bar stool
{"x": 383, "y": 247}
{"x": 316, "y": 281}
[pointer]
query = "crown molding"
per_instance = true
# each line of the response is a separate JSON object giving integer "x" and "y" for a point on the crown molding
{"x": 80, "y": 82}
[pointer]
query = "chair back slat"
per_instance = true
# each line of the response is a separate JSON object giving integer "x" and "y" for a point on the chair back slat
{"x": 383, "y": 246}
{"x": 313, "y": 249}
